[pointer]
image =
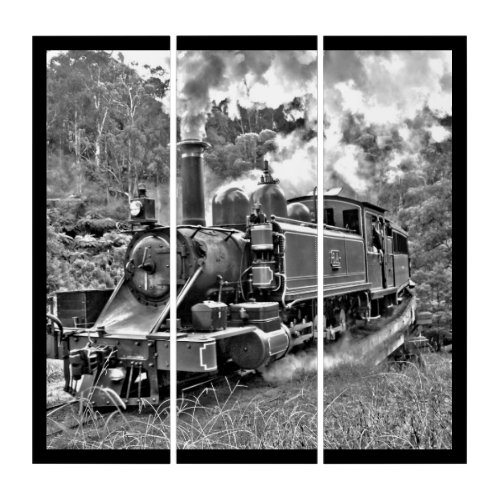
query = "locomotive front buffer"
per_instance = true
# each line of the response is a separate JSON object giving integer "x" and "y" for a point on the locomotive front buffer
{"x": 112, "y": 369}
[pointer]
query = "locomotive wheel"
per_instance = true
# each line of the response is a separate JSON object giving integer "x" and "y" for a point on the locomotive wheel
{"x": 341, "y": 320}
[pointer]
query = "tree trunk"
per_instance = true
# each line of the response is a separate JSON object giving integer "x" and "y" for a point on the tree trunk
{"x": 98, "y": 152}
{"x": 158, "y": 195}
{"x": 130, "y": 172}
{"x": 100, "y": 129}
{"x": 79, "y": 172}
{"x": 107, "y": 179}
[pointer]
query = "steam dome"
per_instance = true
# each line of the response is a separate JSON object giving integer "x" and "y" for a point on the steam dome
{"x": 230, "y": 206}
{"x": 270, "y": 195}
{"x": 299, "y": 211}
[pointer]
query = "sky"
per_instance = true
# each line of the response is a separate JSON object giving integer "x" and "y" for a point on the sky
{"x": 151, "y": 57}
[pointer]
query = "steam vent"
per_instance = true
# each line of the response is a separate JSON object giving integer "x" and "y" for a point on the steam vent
{"x": 193, "y": 193}
{"x": 270, "y": 195}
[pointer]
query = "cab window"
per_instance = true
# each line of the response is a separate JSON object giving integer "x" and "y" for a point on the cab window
{"x": 351, "y": 220}
{"x": 374, "y": 233}
{"x": 329, "y": 219}
{"x": 400, "y": 243}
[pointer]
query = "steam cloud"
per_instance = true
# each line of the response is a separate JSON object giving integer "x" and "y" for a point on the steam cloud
{"x": 295, "y": 159}
{"x": 250, "y": 78}
{"x": 255, "y": 79}
{"x": 396, "y": 94}
{"x": 343, "y": 352}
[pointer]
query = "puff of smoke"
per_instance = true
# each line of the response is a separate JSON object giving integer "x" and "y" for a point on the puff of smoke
{"x": 342, "y": 352}
{"x": 291, "y": 366}
{"x": 250, "y": 78}
{"x": 294, "y": 163}
{"x": 208, "y": 71}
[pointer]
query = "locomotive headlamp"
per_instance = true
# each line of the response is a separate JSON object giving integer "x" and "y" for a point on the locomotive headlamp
{"x": 142, "y": 208}
{"x": 135, "y": 208}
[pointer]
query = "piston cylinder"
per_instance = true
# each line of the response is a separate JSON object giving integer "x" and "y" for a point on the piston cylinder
{"x": 255, "y": 349}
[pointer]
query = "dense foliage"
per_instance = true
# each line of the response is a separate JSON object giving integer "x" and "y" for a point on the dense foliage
{"x": 106, "y": 133}
{"x": 105, "y": 125}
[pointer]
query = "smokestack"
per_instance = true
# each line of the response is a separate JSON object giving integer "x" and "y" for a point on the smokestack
{"x": 193, "y": 192}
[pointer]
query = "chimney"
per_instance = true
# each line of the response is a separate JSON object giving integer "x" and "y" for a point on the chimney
{"x": 193, "y": 193}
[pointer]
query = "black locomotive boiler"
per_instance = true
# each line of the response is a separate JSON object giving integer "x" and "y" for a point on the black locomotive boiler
{"x": 246, "y": 287}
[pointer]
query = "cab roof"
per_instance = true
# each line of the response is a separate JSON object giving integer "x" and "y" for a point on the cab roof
{"x": 340, "y": 198}
{"x": 362, "y": 204}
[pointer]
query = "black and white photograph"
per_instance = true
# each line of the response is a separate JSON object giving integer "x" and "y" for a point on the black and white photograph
{"x": 192, "y": 195}
{"x": 246, "y": 235}
{"x": 239, "y": 240}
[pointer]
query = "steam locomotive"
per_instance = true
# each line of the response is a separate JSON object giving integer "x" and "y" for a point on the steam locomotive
{"x": 246, "y": 287}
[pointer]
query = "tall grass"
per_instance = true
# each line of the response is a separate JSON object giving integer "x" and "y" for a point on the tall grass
{"x": 79, "y": 426}
{"x": 388, "y": 407}
{"x": 86, "y": 428}
{"x": 275, "y": 419}
{"x": 391, "y": 406}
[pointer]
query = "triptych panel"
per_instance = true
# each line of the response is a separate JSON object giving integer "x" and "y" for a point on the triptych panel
{"x": 281, "y": 207}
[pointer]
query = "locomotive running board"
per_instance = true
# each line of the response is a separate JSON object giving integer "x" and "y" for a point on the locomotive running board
{"x": 331, "y": 291}
{"x": 382, "y": 292}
